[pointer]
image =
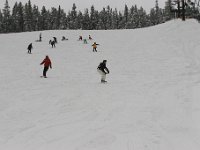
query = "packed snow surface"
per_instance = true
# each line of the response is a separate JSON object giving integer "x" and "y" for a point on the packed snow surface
{"x": 151, "y": 100}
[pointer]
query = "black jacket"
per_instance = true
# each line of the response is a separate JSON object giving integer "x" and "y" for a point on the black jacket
{"x": 30, "y": 47}
{"x": 102, "y": 67}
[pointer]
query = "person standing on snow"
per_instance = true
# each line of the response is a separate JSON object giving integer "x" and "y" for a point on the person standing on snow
{"x": 40, "y": 37}
{"x": 90, "y": 38}
{"x": 30, "y": 48}
{"x": 52, "y": 43}
{"x": 47, "y": 64}
{"x": 63, "y": 38}
{"x": 80, "y": 38}
{"x": 55, "y": 39}
{"x": 103, "y": 70}
{"x": 84, "y": 41}
{"x": 94, "y": 47}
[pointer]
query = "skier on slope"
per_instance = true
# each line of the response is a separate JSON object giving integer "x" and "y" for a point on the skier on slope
{"x": 64, "y": 38}
{"x": 30, "y": 48}
{"x": 47, "y": 64}
{"x": 103, "y": 70}
{"x": 80, "y": 38}
{"x": 94, "y": 47}
{"x": 52, "y": 43}
{"x": 55, "y": 39}
{"x": 40, "y": 37}
{"x": 90, "y": 38}
{"x": 84, "y": 41}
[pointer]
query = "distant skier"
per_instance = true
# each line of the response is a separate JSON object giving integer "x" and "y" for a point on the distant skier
{"x": 55, "y": 39}
{"x": 52, "y": 43}
{"x": 40, "y": 37}
{"x": 94, "y": 47}
{"x": 90, "y": 38}
{"x": 84, "y": 41}
{"x": 47, "y": 64}
{"x": 80, "y": 38}
{"x": 103, "y": 70}
{"x": 30, "y": 47}
{"x": 64, "y": 38}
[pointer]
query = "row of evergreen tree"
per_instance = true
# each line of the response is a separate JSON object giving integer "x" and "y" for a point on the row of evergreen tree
{"x": 28, "y": 17}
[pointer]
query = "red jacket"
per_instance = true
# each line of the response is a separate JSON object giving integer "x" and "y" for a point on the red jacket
{"x": 46, "y": 62}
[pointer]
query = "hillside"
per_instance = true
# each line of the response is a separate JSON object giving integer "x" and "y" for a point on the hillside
{"x": 151, "y": 100}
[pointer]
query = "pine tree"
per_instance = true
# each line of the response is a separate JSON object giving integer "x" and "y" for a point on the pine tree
{"x": 53, "y": 18}
{"x": 6, "y": 18}
{"x": 96, "y": 16}
{"x": 80, "y": 20}
{"x": 168, "y": 15}
{"x": 131, "y": 24}
{"x": 153, "y": 17}
{"x": 121, "y": 21}
{"x": 36, "y": 18}
{"x": 58, "y": 19}
{"x": 73, "y": 18}
{"x": 28, "y": 16}
{"x": 68, "y": 18}
{"x": 191, "y": 11}
{"x": 109, "y": 17}
{"x": 143, "y": 20}
{"x": 86, "y": 20}
{"x": 126, "y": 14}
{"x": 14, "y": 22}
{"x": 158, "y": 16}
{"x": 103, "y": 19}
{"x": 93, "y": 18}
{"x": 20, "y": 17}
{"x": 1, "y": 22}
{"x": 44, "y": 19}
{"x": 115, "y": 19}
{"x": 135, "y": 17}
{"x": 62, "y": 21}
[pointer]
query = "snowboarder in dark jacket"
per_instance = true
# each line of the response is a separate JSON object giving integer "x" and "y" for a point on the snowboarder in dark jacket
{"x": 30, "y": 48}
{"x": 55, "y": 39}
{"x": 103, "y": 70}
{"x": 52, "y": 43}
{"x": 47, "y": 64}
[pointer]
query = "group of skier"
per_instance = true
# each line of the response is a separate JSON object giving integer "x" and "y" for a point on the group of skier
{"x": 102, "y": 69}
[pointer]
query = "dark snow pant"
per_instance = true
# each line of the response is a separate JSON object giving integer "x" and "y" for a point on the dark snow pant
{"x": 94, "y": 49}
{"x": 29, "y": 51}
{"x": 45, "y": 71}
{"x": 53, "y": 45}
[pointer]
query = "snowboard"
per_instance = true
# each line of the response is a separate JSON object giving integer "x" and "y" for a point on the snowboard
{"x": 42, "y": 77}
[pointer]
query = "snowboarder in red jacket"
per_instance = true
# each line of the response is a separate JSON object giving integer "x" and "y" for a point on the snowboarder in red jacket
{"x": 47, "y": 64}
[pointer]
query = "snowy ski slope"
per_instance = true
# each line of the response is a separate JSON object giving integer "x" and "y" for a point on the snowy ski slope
{"x": 151, "y": 100}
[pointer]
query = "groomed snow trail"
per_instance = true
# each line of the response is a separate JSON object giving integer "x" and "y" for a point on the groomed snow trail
{"x": 151, "y": 100}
